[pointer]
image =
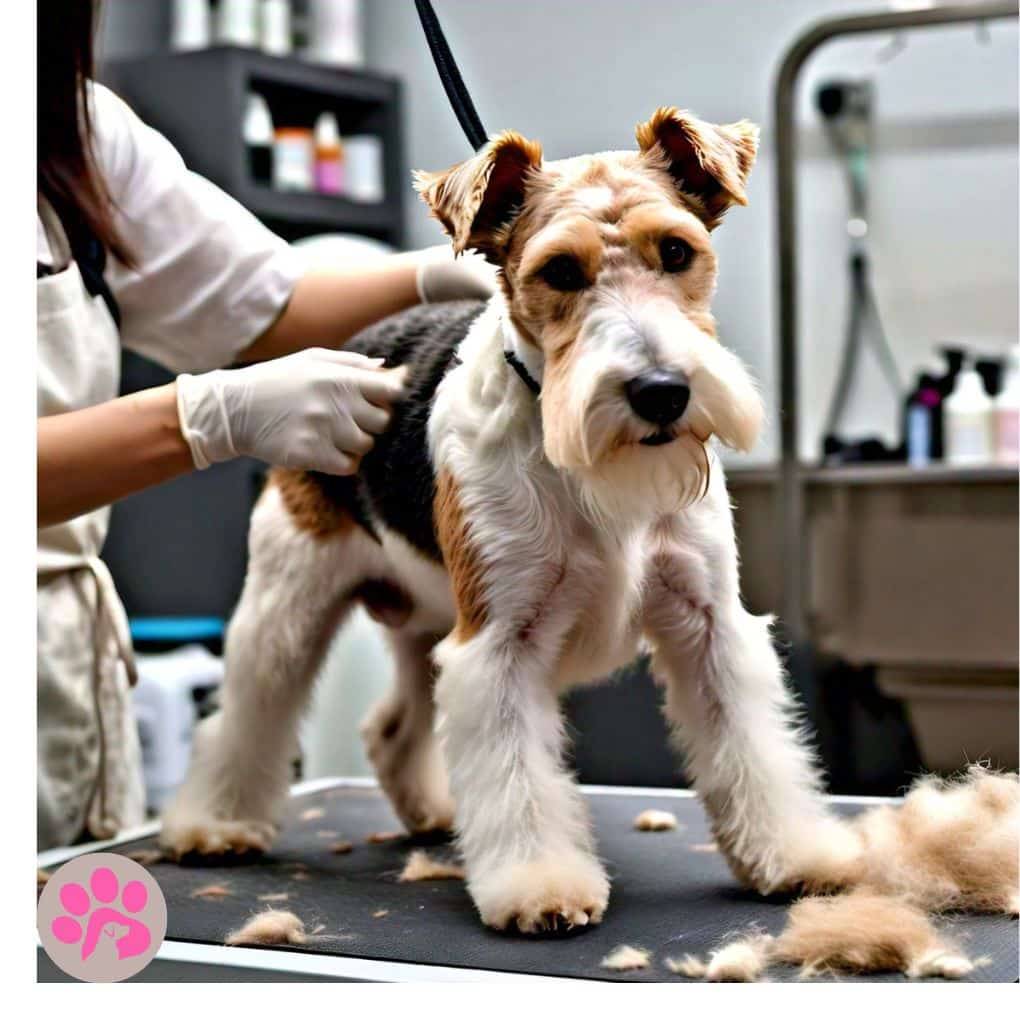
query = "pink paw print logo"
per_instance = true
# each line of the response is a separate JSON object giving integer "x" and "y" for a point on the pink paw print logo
{"x": 101, "y": 917}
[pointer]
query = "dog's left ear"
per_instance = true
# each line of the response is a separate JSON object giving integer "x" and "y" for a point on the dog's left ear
{"x": 709, "y": 162}
{"x": 477, "y": 200}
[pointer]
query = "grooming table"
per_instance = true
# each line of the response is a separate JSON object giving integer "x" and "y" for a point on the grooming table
{"x": 672, "y": 894}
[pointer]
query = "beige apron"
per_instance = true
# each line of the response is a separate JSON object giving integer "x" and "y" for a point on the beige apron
{"x": 89, "y": 759}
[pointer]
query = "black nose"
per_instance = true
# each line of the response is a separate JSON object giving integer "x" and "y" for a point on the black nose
{"x": 659, "y": 397}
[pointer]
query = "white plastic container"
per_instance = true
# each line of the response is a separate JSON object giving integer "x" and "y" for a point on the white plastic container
{"x": 363, "y": 168}
{"x": 293, "y": 159}
{"x": 335, "y": 32}
{"x": 166, "y": 697}
{"x": 238, "y": 23}
{"x": 192, "y": 25}
{"x": 1007, "y": 416}
{"x": 969, "y": 422}
{"x": 258, "y": 138}
{"x": 275, "y": 28}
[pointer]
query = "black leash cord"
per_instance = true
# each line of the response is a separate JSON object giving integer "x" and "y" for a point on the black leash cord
{"x": 449, "y": 74}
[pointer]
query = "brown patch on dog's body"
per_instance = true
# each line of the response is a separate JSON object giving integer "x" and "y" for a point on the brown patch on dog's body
{"x": 461, "y": 558}
{"x": 310, "y": 508}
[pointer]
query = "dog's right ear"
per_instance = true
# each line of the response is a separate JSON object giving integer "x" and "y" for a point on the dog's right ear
{"x": 477, "y": 200}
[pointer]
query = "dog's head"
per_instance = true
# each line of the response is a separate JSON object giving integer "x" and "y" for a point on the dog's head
{"x": 608, "y": 271}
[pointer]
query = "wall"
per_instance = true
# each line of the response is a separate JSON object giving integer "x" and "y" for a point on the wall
{"x": 578, "y": 76}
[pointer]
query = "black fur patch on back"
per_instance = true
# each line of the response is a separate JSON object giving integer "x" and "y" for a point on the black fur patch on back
{"x": 396, "y": 484}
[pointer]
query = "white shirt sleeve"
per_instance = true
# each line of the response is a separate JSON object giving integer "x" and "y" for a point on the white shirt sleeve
{"x": 209, "y": 278}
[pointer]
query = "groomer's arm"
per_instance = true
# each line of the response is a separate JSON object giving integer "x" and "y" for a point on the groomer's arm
{"x": 90, "y": 458}
{"x": 327, "y": 307}
{"x": 316, "y": 410}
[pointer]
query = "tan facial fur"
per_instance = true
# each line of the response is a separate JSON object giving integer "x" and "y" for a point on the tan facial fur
{"x": 629, "y": 314}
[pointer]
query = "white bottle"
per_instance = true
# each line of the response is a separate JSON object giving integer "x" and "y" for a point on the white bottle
{"x": 335, "y": 35}
{"x": 363, "y": 173}
{"x": 1007, "y": 416}
{"x": 968, "y": 421}
{"x": 276, "y": 28}
{"x": 238, "y": 23}
{"x": 192, "y": 25}
{"x": 258, "y": 133}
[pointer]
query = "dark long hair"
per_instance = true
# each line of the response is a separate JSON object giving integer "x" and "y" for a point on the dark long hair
{"x": 68, "y": 176}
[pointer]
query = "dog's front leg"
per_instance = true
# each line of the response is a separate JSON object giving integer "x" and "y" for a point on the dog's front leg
{"x": 521, "y": 822}
{"x": 735, "y": 720}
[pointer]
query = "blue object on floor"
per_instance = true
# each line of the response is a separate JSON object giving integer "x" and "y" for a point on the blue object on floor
{"x": 177, "y": 629}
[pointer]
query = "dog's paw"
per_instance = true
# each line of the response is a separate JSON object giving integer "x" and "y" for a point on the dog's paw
{"x": 549, "y": 894}
{"x": 422, "y": 810}
{"x": 826, "y": 859}
{"x": 214, "y": 837}
{"x": 409, "y": 768}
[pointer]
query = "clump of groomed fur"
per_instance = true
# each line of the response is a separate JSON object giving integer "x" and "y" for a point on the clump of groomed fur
{"x": 147, "y": 857}
{"x": 951, "y": 845}
{"x": 864, "y": 933}
{"x": 855, "y": 933}
{"x": 653, "y": 820}
{"x": 270, "y": 928}
{"x": 422, "y": 868}
{"x": 687, "y": 966}
{"x": 626, "y": 958}
{"x": 384, "y": 837}
{"x": 742, "y": 960}
{"x": 211, "y": 892}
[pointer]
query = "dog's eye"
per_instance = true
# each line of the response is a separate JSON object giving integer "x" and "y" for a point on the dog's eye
{"x": 563, "y": 272}
{"x": 676, "y": 255}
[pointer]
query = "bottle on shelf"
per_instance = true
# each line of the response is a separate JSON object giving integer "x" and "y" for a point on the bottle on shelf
{"x": 192, "y": 25}
{"x": 335, "y": 34}
{"x": 293, "y": 159}
{"x": 275, "y": 28}
{"x": 923, "y": 421}
{"x": 968, "y": 421}
{"x": 258, "y": 139}
{"x": 1007, "y": 415}
{"x": 329, "y": 156}
{"x": 237, "y": 23}
{"x": 945, "y": 375}
{"x": 363, "y": 168}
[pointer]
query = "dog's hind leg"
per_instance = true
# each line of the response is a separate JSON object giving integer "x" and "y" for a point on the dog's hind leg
{"x": 401, "y": 743}
{"x": 306, "y": 558}
{"x": 734, "y": 718}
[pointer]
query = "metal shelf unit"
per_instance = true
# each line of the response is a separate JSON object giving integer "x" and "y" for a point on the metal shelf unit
{"x": 197, "y": 99}
{"x": 793, "y": 475}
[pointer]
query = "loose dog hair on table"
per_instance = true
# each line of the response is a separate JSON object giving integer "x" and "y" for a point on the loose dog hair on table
{"x": 546, "y": 503}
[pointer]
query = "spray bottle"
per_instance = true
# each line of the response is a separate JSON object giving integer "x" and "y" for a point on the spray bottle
{"x": 1006, "y": 411}
{"x": 969, "y": 421}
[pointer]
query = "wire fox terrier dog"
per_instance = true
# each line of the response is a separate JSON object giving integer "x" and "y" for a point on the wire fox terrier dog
{"x": 545, "y": 506}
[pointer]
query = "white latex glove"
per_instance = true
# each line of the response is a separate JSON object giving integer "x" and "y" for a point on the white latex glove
{"x": 316, "y": 410}
{"x": 443, "y": 277}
